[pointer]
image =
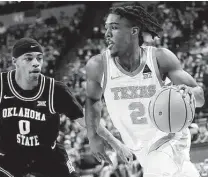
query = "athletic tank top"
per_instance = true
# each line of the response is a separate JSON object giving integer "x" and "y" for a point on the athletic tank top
{"x": 127, "y": 97}
{"x": 27, "y": 123}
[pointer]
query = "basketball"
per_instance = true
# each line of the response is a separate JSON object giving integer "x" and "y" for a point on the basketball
{"x": 169, "y": 111}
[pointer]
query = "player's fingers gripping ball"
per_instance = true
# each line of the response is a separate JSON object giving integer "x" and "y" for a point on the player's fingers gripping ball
{"x": 170, "y": 111}
{"x": 185, "y": 90}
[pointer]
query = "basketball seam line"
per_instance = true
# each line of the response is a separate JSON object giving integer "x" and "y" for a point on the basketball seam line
{"x": 192, "y": 113}
{"x": 186, "y": 114}
{"x": 169, "y": 109}
{"x": 154, "y": 109}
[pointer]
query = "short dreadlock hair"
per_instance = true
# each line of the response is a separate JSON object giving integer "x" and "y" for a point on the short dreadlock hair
{"x": 138, "y": 16}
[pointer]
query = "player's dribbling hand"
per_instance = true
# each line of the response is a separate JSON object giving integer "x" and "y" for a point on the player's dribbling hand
{"x": 185, "y": 90}
{"x": 97, "y": 146}
{"x": 124, "y": 152}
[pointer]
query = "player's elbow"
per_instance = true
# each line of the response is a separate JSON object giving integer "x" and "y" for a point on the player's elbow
{"x": 200, "y": 97}
{"x": 200, "y": 103}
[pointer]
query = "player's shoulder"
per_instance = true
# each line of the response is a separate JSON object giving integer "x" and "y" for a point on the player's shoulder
{"x": 94, "y": 62}
{"x": 160, "y": 51}
{"x": 164, "y": 53}
{"x": 165, "y": 57}
{"x": 60, "y": 86}
{"x": 95, "y": 68}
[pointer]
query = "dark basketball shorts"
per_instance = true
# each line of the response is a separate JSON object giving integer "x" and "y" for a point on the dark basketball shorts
{"x": 53, "y": 163}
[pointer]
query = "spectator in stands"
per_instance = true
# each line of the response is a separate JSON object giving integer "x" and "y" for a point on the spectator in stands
{"x": 194, "y": 130}
{"x": 198, "y": 68}
{"x": 2, "y": 28}
{"x": 203, "y": 135}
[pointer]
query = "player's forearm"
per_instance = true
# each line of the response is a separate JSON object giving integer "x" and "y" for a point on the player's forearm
{"x": 102, "y": 131}
{"x": 92, "y": 116}
{"x": 199, "y": 96}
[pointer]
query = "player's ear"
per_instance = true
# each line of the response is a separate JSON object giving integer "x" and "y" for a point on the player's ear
{"x": 134, "y": 30}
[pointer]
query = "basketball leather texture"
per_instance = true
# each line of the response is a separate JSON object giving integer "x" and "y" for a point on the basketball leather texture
{"x": 169, "y": 111}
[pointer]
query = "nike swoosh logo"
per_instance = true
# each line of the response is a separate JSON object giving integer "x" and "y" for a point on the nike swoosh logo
{"x": 8, "y": 97}
{"x": 115, "y": 77}
{"x": 32, "y": 46}
{"x": 2, "y": 154}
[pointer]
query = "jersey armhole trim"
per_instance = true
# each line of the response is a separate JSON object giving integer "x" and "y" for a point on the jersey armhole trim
{"x": 51, "y": 95}
{"x": 154, "y": 61}
{"x": 6, "y": 172}
{"x": 104, "y": 77}
{"x": 1, "y": 89}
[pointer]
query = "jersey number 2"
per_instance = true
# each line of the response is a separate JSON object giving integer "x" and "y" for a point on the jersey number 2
{"x": 138, "y": 111}
{"x": 24, "y": 127}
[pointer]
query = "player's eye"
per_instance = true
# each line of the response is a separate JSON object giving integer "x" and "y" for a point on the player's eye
{"x": 111, "y": 28}
{"x": 40, "y": 57}
{"x": 28, "y": 58}
{"x": 114, "y": 27}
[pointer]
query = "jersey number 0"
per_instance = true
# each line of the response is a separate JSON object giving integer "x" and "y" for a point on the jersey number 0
{"x": 24, "y": 127}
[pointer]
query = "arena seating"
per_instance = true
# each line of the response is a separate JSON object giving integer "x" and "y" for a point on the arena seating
{"x": 185, "y": 33}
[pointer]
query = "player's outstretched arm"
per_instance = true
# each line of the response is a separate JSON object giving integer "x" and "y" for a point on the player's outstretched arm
{"x": 94, "y": 93}
{"x": 93, "y": 108}
{"x": 170, "y": 66}
{"x": 95, "y": 130}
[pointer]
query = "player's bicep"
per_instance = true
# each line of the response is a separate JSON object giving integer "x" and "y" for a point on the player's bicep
{"x": 170, "y": 66}
{"x": 180, "y": 76}
{"x": 94, "y": 90}
{"x": 94, "y": 73}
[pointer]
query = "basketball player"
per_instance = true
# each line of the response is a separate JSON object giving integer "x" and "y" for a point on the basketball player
{"x": 129, "y": 74}
{"x": 30, "y": 104}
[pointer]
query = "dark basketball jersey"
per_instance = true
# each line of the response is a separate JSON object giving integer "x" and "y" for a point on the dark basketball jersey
{"x": 27, "y": 123}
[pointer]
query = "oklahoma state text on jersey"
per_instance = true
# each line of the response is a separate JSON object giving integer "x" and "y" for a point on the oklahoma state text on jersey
{"x": 30, "y": 118}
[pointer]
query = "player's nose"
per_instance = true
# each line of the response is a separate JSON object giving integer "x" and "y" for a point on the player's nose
{"x": 35, "y": 62}
{"x": 108, "y": 34}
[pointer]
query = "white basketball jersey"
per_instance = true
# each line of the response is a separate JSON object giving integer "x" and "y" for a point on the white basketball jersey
{"x": 127, "y": 96}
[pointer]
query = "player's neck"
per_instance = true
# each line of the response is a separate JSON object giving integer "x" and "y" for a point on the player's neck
{"x": 130, "y": 61}
{"x": 23, "y": 83}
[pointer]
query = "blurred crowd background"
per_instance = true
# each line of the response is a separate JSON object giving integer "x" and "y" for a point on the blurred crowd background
{"x": 72, "y": 32}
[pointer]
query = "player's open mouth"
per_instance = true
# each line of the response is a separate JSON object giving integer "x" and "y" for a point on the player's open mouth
{"x": 35, "y": 71}
{"x": 110, "y": 44}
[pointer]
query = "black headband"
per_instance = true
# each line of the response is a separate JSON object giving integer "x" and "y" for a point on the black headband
{"x": 26, "y": 45}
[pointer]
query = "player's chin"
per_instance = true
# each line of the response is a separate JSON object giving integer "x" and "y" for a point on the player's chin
{"x": 35, "y": 73}
{"x": 113, "y": 53}
{"x": 34, "y": 76}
